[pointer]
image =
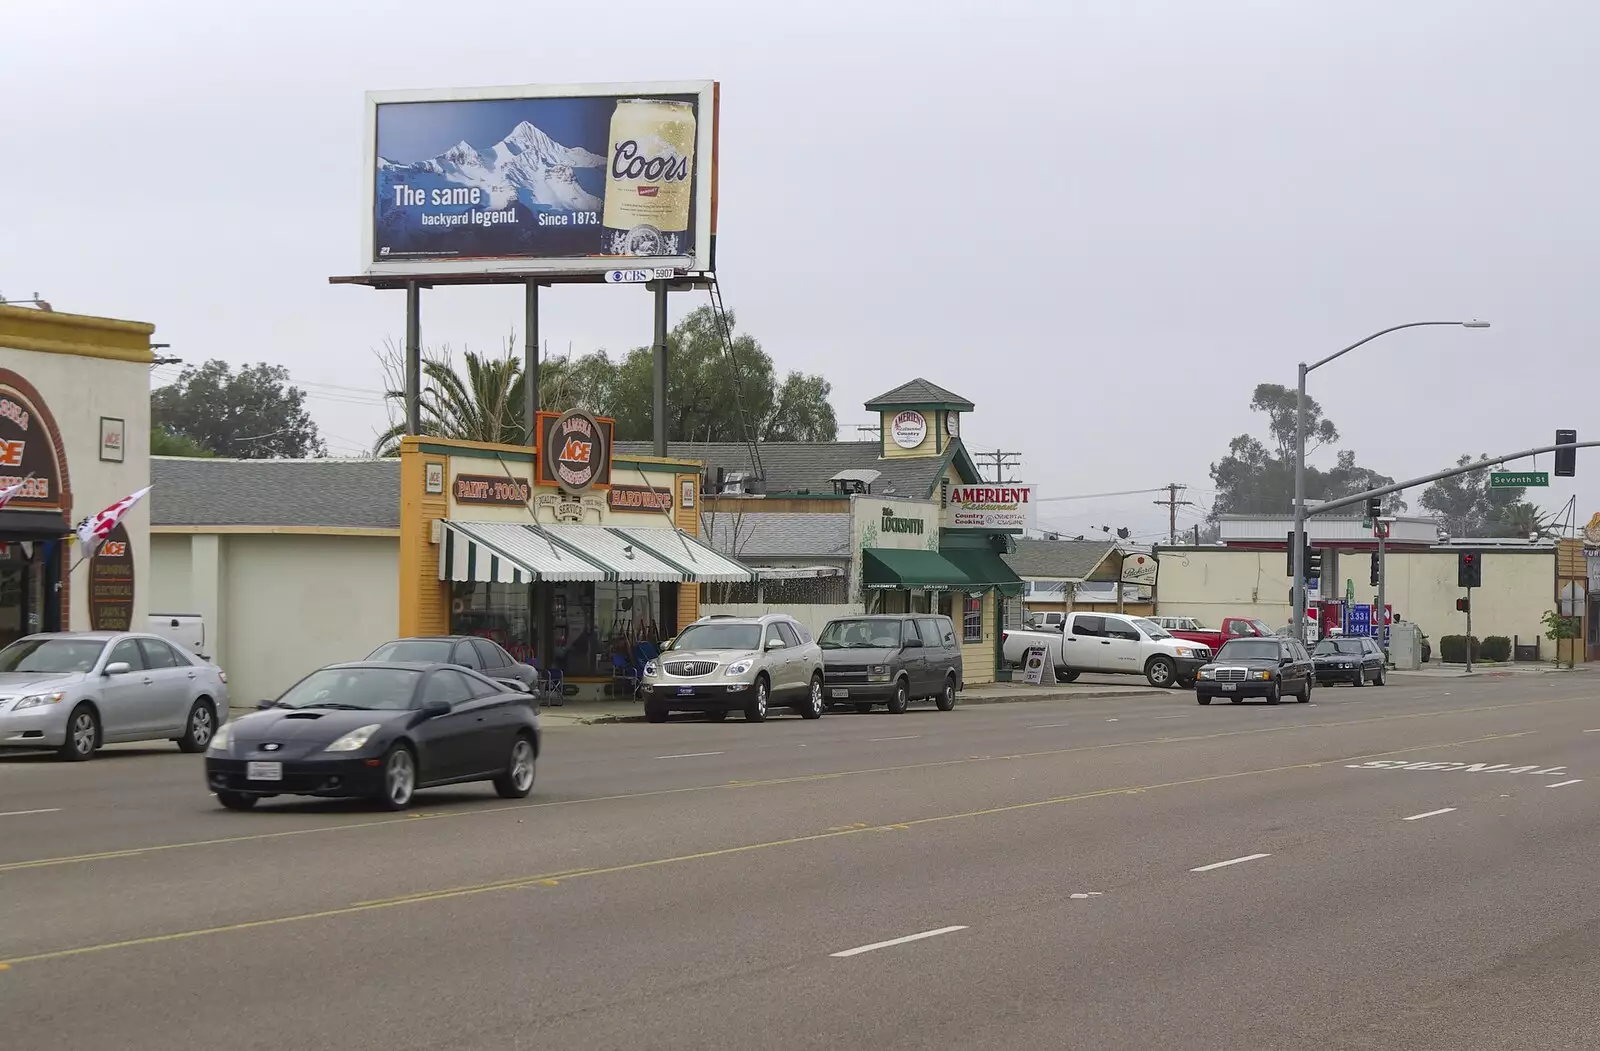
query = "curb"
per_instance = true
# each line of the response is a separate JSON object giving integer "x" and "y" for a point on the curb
{"x": 962, "y": 702}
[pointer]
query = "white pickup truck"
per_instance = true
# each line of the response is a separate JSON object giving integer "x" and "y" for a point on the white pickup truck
{"x": 1111, "y": 643}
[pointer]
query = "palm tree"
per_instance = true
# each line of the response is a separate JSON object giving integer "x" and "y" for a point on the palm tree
{"x": 485, "y": 402}
{"x": 1524, "y": 519}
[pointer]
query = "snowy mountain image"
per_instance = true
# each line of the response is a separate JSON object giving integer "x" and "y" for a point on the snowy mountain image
{"x": 526, "y": 166}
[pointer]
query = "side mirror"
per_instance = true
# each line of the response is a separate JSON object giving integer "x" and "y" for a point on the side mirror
{"x": 434, "y": 709}
{"x": 774, "y": 644}
{"x": 264, "y": 705}
{"x": 913, "y": 644}
{"x": 118, "y": 668}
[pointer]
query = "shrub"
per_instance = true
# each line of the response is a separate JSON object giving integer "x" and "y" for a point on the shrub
{"x": 1453, "y": 649}
{"x": 1497, "y": 648}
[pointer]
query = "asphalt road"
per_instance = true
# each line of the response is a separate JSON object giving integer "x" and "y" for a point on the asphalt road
{"x": 1406, "y": 867}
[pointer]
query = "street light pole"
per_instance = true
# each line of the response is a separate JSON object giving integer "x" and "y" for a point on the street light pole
{"x": 1298, "y": 586}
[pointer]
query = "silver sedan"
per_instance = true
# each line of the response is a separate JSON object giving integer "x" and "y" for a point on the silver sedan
{"x": 75, "y": 691}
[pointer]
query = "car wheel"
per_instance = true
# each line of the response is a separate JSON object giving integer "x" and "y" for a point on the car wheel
{"x": 399, "y": 778}
{"x": 716, "y": 717}
{"x": 756, "y": 710}
{"x": 947, "y": 698}
{"x": 1201, "y": 699}
{"x": 237, "y": 800}
{"x": 83, "y": 735}
{"x": 517, "y": 781}
{"x": 1066, "y": 674}
{"x": 901, "y": 698}
{"x": 1304, "y": 696}
{"x": 1160, "y": 672}
{"x": 1275, "y": 694}
{"x": 1236, "y": 699}
{"x": 202, "y": 726}
{"x": 863, "y": 707}
{"x": 1361, "y": 677}
{"x": 1379, "y": 681}
{"x": 812, "y": 709}
{"x": 654, "y": 713}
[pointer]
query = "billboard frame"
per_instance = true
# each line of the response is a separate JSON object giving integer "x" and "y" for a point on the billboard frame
{"x": 705, "y": 190}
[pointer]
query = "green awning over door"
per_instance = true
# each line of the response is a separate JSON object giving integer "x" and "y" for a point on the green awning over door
{"x": 891, "y": 568}
{"x": 984, "y": 568}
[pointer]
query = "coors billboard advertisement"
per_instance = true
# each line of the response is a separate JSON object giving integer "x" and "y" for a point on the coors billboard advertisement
{"x": 542, "y": 179}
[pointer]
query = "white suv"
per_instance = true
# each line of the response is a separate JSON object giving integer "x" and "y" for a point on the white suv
{"x": 721, "y": 664}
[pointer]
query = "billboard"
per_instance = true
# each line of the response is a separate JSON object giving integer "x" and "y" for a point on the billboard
{"x": 993, "y": 505}
{"x": 543, "y": 179}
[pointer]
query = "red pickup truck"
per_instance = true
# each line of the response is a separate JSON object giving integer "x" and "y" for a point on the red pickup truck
{"x": 1232, "y": 628}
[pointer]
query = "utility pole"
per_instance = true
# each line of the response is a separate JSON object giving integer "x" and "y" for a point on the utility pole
{"x": 1000, "y": 461}
{"x": 1173, "y": 503}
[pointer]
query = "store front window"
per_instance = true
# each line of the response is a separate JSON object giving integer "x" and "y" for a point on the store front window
{"x": 500, "y": 612}
{"x": 23, "y": 591}
{"x": 972, "y": 619}
{"x": 591, "y": 624}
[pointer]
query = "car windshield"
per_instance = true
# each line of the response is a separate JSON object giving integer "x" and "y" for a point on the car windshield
{"x": 1249, "y": 650}
{"x": 1151, "y": 628}
{"x": 51, "y": 655}
{"x": 861, "y": 635}
{"x": 425, "y": 651}
{"x": 1351, "y": 646}
{"x": 355, "y": 689}
{"x": 714, "y": 636}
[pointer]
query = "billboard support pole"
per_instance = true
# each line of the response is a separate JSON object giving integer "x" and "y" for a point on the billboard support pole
{"x": 413, "y": 358}
{"x": 530, "y": 360}
{"x": 659, "y": 356}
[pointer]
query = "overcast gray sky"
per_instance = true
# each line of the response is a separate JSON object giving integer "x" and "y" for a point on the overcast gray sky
{"x": 1104, "y": 223}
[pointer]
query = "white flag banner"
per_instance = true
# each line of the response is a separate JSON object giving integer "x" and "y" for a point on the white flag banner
{"x": 12, "y": 491}
{"x": 92, "y": 531}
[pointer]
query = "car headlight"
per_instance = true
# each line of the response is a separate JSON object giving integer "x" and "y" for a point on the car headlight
{"x": 222, "y": 738}
{"x": 741, "y": 667}
{"x": 878, "y": 673}
{"x": 354, "y": 740}
{"x": 1208, "y": 673}
{"x": 36, "y": 700}
{"x": 1185, "y": 651}
{"x": 1264, "y": 674}
{"x": 650, "y": 668}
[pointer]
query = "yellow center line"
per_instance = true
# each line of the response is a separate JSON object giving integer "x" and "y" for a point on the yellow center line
{"x": 555, "y": 878}
{"x": 412, "y": 819}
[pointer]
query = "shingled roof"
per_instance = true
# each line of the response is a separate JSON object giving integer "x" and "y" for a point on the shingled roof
{"x": 780, "y": 534}
{"x": 809, "y": 467}
{"x": 350, "y": 494}
{"x": 1072, "y": 560}
{"x": 919, "y": 392}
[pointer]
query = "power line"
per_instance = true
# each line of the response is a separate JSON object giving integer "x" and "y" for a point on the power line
{"x": 999, "y": 462}
{"x": 1173, "y": 503}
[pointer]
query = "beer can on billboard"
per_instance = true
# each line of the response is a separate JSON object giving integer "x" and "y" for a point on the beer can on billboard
{"x": 649, "y": 177}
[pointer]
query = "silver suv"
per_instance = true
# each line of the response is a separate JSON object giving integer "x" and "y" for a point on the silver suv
{"x": 722, "y": 664}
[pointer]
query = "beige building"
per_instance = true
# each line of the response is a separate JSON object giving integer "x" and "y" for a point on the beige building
{"x": 1251, "y": 580}
{"x": 75, "y": 427}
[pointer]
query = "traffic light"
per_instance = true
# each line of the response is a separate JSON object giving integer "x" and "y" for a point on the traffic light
{"x": 1313, "y": 564}
{"x": 1374, "y": 508}
{"x": 1375, "y": 569}
{"x": 1566, "y": 459}
{"x": 1469, "y": 569}
{"x": 1463, "y": 605}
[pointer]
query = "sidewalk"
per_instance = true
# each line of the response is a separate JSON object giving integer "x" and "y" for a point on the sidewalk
{"x": 588, "y": 713}
{"x": 1438, "y": 670}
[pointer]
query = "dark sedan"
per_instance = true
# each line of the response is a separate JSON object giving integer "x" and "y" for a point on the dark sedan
{"x": 1354, "y": 659}
{"x": 1255, "y": 667}
{"x": 378, "y": 730}
{"x": 465, "y": 651}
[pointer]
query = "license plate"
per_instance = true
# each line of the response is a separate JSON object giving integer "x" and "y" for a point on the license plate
{"x": 264, "y": 771}
{"x": 841, "y": 693}
{"x": 1230, "y": 686}
{"x": 685, "y": 691}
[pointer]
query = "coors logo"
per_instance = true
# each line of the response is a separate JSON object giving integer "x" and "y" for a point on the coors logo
{"x": 576, "y": 451}
{"x": 649, "y": 182}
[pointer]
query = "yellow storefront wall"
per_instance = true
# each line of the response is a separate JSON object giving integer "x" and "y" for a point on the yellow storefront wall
{"x": 425, "y": 599}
